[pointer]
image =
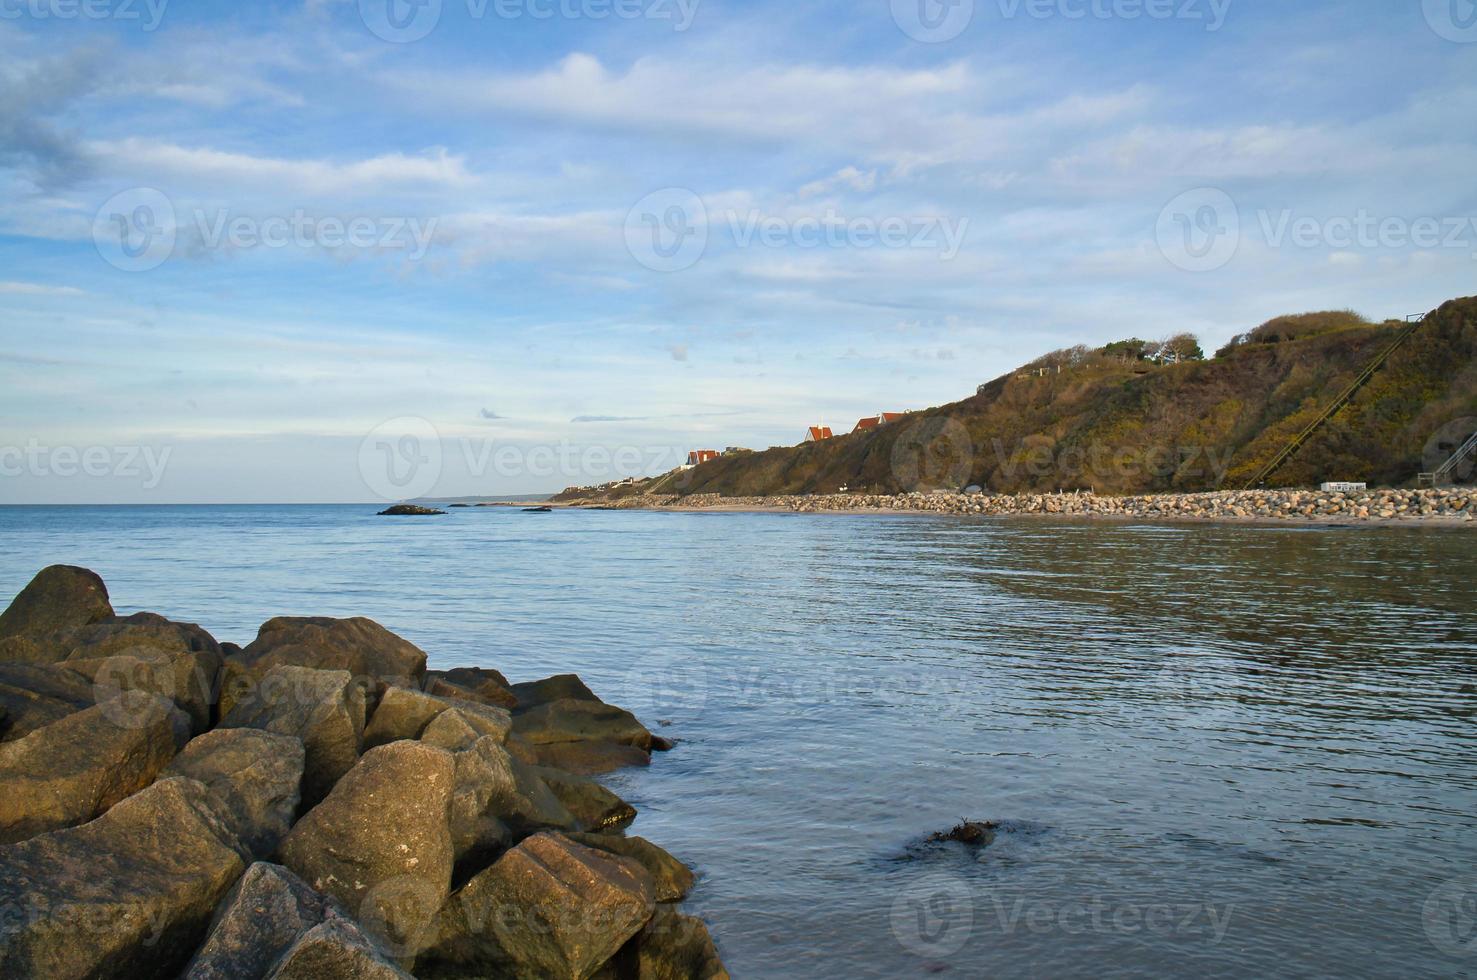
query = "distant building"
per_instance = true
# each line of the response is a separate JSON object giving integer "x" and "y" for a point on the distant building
{"x": 735, "y": 450}
{"x": 700, "y": 456}
{"x": 818, "y": 433}
{"x": 873, "y": 421}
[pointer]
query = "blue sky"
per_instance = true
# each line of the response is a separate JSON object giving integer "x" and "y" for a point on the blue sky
{"x": 593, "y": 234}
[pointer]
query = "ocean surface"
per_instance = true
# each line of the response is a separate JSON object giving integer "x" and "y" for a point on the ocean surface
{"x": 1212, "y": 750}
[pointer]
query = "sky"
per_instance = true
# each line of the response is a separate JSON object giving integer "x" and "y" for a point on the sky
{"x": 362, "y": 250}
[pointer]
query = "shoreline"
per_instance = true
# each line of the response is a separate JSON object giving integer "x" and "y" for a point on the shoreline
{"x": 1447, "y": 507}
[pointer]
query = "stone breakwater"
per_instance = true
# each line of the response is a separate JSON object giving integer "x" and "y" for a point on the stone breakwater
{"x": 315, "y": 806}
{"x": 1446, "y": 505}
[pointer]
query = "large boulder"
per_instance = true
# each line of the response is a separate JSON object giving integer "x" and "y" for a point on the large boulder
{"x": 58, "y": 599}
{"x": 75, "y": 769}
{"x": 323, "y": 708}
{"x": 590, "y": 758}
{"x": 33, "y": 696}
{"x": 381, "y": 842}
{"x": 146, "y": 652}
{"x": 128, "y": 895}
{"x": 266, "y": 912}
{"x": 549, "y": 908}
{"x": 534, "y": 806}
{"x": 337, "y": 949}
{"x": 376, "y": 657}
{"x": 471, "y": 684}
{"x": 671, "y": 878}
{"x": 674, "y": 946}
{"x": 593, "y": 806}
{"x": 257, "y": 775}
{"x": 406, "y": 713}
{"x": 483, "y": 792}
{"x": 459, "y": 727}
{"x": 402, "y": 713}
{"x": 559, "y": 687}
{"x": 578, "y": 720}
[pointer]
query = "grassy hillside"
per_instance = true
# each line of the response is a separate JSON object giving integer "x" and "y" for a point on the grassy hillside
{"x": 1080, "y": 418}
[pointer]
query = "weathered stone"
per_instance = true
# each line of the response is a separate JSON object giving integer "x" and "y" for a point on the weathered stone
{"x": 534, "y": 806}
{"x": 549, "y": 908}
{"x": 459, "y": 727}
{"x": 128, "y": 895}
{"x": 402, "y": 713}
{"x": 267, "y": 911}
{"x": 593, "y": 806}
{"x": 35, "y": 695}
{"x": 337, "y": 949}
{"x": 561, "y": 686}
{"x": 483, "y": 792}
{"x": 671, "y": 878}
{"x": 590, "y": 758}
{"x": 576, "y": 720}
{"x": 257, "y": 775}
{"x": 674, "y": 946}
{"x": 75, "y": 769}
{"x": 381, "y": 841}
{"x": 59, "y": 598}
{"x": 146, "y": 652}
{"x": 323, "y": 708}
{"x": 368, "y": 651}
{"x": 481, "y": 683}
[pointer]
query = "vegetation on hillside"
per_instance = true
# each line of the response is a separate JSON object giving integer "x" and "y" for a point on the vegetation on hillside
{"x": 1084, "y": 418}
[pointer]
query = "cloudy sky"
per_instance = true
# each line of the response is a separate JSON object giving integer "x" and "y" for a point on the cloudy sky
{"x": 337, "y": 250}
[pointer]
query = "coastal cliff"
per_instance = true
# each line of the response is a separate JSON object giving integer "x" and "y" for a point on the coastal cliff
{"x": 315, "y": 805}
{"x": 1083, "y": 419}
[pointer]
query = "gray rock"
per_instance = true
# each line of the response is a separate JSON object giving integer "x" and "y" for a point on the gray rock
{"x": 579, "y": 720}
{"x": 590, "y": 758}
{"x": 372, "y": 654}
{"x": 59, "y": 598}
{"x": 472, "y": 683}
{"x": 257, "y": 775}
{"x": 128, "y": 895}
{"x": 671, "y": 878}
{"x": 267, "y": 911}
{"x": 458, "y": 728}
{"x": 35, "y": 695}
{"x": 548, "y": 908}
{"x": 483, "y": 792}
{"x": 674, "y": 946}
{"x": 381, "y": 842}
{"x": 75, "y": 769}
{"x": 402, "y": 713}
{"x": 323, "y": 708}
{"x": 336, "y": 950}
{"x": 593, "y": 806}
{"x": 560, "y": 686}
{"x": 534, "y": 806}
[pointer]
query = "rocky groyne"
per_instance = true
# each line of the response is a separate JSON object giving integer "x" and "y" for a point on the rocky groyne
{"x": 1440, "y": 505}
{"x": 315, "y": 805}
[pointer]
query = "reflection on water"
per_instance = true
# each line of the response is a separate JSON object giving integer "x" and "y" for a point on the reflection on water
{"x": 1211, "y": 749}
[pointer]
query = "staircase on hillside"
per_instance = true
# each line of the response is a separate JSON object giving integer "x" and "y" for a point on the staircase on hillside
{"x": 1302, "y": 437}
{"x": 1447, "y": 469}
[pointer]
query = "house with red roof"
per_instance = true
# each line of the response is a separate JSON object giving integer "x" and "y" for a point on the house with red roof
{"x": 873, "y": 421}
{"x": 699, "y": 456}
{"x": 817, "y": 433}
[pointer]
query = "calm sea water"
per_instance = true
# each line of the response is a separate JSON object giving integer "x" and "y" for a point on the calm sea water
{"x": 1213, "y": 750}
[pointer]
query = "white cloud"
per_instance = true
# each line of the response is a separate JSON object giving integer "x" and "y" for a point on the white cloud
{"x": 37, "y": 289}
